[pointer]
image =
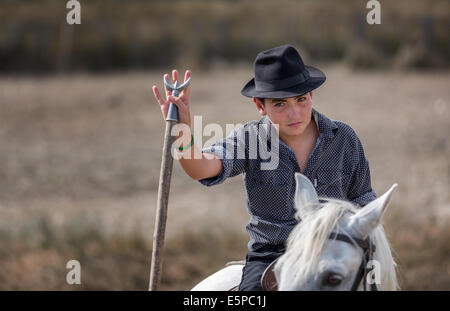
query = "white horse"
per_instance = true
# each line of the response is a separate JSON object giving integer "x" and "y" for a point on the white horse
{"x": 335, "y": 246}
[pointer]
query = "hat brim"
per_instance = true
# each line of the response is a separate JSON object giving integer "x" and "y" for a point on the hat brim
{"x": 316, "y": 79}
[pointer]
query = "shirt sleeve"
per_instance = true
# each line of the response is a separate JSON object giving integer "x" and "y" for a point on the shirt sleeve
{"x": 232, "y": 151}
{"x": 360, "y": 190}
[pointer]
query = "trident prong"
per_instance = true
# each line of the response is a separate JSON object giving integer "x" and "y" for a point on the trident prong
{"x": 172, "y": 114}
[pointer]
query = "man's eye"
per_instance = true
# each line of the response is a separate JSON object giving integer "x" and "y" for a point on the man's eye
{"x": 279, "y": 104}
{"x": 301, "y": 99}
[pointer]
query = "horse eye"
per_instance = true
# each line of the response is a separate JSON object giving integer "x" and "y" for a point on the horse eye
{"x": 332, "y": 279}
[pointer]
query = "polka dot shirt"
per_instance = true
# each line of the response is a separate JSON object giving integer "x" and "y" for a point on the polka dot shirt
{"x": 337, "y": 167}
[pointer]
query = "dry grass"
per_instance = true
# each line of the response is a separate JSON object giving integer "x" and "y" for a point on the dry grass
{"x": 422, "y": 253}
{"x": 36, "y": 257}
{"x": 80, "y": 158}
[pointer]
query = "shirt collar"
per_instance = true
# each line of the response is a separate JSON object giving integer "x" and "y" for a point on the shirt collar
{"x": 326, "y": 125}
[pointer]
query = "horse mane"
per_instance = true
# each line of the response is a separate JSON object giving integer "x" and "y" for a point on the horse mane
{"x": 318, "y": 221}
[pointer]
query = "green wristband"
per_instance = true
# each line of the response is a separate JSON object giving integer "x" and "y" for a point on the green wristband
{"x": 188, "y": 146}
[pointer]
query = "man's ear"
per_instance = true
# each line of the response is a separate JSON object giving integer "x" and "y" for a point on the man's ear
{"x": 310, "y": 94}
{"x": 260, "y": 106}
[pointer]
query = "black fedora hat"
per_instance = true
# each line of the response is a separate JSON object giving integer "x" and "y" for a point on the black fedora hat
{"x": 280, "y": 73}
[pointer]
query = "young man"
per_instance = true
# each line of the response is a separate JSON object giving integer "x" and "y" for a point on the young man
{"x": 328, "y": 152}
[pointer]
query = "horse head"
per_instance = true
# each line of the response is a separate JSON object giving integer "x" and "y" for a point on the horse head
{"x": 336, "y": 245}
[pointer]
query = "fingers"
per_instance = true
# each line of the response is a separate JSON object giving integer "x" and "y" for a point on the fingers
{"x": 187, "y": 75}
{"x": 174, "y": 75}
{"x": 177, "y": 101}
{"x": 158, "y": 95}
{"x": 163, "y": 104}
{"x": 185, "y": 93}
{"x": 174, "y": 78}
{"x": 168, "y": 92}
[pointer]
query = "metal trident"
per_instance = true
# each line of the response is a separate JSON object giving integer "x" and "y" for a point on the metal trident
{"x": 172, "y": 114}
{"x": 164, "y": 186}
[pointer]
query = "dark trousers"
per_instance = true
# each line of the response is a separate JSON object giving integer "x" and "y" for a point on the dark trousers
{"x": 256, "y": 263}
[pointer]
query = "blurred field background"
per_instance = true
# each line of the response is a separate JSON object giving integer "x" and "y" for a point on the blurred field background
{"x": 81, "y": 134}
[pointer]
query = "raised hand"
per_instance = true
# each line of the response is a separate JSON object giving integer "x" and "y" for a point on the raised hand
{"x": 181, "y": 101}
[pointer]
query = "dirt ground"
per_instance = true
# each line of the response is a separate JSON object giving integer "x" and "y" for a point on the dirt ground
{"x": 85, "y": 150}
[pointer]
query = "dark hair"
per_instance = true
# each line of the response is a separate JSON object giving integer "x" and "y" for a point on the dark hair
{"x": 261, "y": 99}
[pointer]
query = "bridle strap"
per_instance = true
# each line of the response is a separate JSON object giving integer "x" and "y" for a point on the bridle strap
{"x": 368, "y": 249}
{"x": 364, "y": 244}
{"x": 359, "y": 276}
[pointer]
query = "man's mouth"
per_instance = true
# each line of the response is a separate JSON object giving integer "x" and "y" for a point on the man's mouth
{"x": 295, "y": 124}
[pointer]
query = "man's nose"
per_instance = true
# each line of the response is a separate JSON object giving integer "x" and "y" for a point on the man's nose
{"x": 294, "y": 111}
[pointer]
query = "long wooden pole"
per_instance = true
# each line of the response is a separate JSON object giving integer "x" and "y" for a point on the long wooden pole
{"x": 161, "y": 210}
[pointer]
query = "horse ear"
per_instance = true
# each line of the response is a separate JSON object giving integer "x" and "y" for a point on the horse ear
{"x": 304, "y": 192}
{"x": 369, "y": 216}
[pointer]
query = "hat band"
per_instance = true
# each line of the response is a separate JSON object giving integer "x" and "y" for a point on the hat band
{"x": 274, "y": 85}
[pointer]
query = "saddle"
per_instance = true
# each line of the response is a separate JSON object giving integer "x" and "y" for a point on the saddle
{"x": 268, "y": 279}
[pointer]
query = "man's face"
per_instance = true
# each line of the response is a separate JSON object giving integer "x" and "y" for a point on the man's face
{"x": 293, "y": 114}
